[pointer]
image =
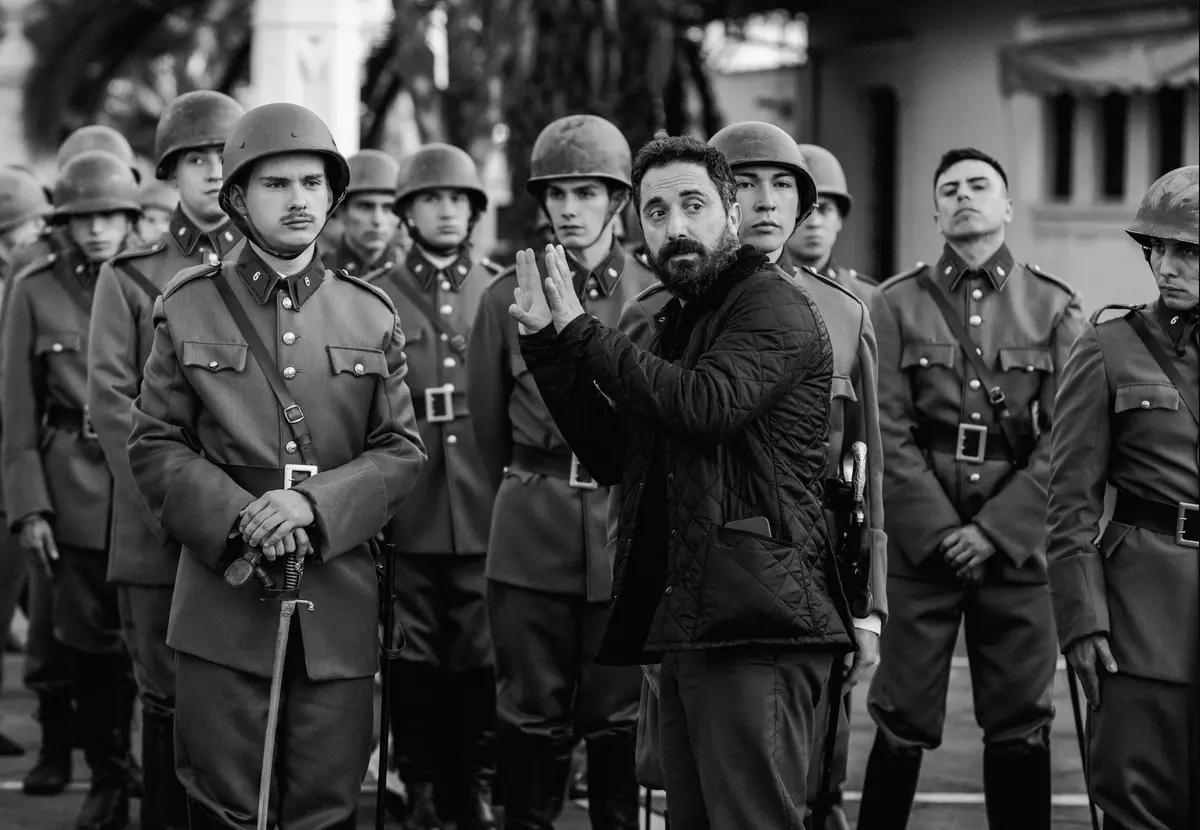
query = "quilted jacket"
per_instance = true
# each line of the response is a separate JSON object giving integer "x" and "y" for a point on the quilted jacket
{"x": 742, "y": 413}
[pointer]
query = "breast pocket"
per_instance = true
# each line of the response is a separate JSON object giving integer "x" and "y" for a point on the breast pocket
{"x": 1028, "y": 360}
{"x": 357, "y": 362}
{"x": 918, "y": 356}
{"x": 215, "y": 357}
{"x": 57, "y": 343}
{"x": 1145, "y": 397}
{"x": 842, "y": 388}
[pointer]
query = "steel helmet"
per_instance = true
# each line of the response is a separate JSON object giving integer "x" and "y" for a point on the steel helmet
{"x": 95, "y": 182}
{"x": 22, "y": 198}
{"x": 158, "y": 194}
{"x": 830, "y": 179}
{"x": 97, "y": 137}
{"x": 1170, "y": 209}
{"x": 193, "y": 120}
{"x": 371, "y": 171}
{"x": 756, "y": 142}
{"x": 440, "y": 166}
{"x": 579, "y": 146}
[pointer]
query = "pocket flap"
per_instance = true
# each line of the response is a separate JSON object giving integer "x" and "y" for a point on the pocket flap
{"x": 356, "y": 360}
{"x": 1112, "y": 537}
{"x": 924, "y": 355}
{"x": 1026, "y": 359}
{"x": 843, "y": 387}
{"x": 215, "y": 357}
{"x": 55, "y": 342}
{"x": 1145, "y": 396}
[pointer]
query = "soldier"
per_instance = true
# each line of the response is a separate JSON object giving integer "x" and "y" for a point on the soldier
{"x": 964, "y": 488}
{"x": 62, "y": 504}
{"x": 158, "y": 200}
{"x": 188, "y": 145}
{"x": 216, "y": 451}
{"x": 777, "y": 193}
{"x": 444, "y": 684}
{"x": 1125, "y": 594}
{"x": 368, "y": 242}
{"x": 550, "y": 578}
{"x": 812, "y": 243}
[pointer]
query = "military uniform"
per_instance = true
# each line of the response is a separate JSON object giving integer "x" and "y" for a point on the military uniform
{"x": 947, "y": 464}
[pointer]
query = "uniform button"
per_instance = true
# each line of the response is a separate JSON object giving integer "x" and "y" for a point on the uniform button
{"x": 445, "y": 338}
{"x": 612, "y": 272}
{"x": 57, "y": 347}
{"x": 289, "y": 372}
{"x": 1145, "y": 404}
{"x": 974, "y": 384}
{"x": 287, "y": 303}
{"x": 451, "y": 439}
{"x": 359, "y": 369}
{"x": 974, "y": 477}
{"x": 387, "y": 266}
{"x": 593, "y": 294}
{"x": 228, "y": 236}
{"x": 674, "y": 534}
{"x": 446, "y": 310}
{"x": 975, "y": 416}
{"x": 446, "y": 286}
{"x": 923, "y": 361}
{"x": 1000, "y": 270}
{"x": 668, "y": 591}
{"x": 949, "y": 269}
{"x": 289, "y": 338}
{"x": 977, "y": 294}
{"x": 449, "y": 363}
{"x": 670, "y": 478}
{"x": 1029, "y": 368}
{"x": 462, "y": 269}
{"x": 213, "y": 259}
{"x": 975, "y": 320}
{"x": 212, "y": 364}
{"x": 290, "y": 446}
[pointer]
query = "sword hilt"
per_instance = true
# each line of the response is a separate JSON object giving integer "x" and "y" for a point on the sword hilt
{"x": 859, "y": 476}
{"x": 293, "y": 569}
{"x": 239, "y": 571}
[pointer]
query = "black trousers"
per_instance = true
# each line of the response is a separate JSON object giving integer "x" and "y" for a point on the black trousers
{"x": 145, "y": 611}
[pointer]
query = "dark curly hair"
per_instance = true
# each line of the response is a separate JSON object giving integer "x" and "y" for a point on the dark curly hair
{"x": 686, "y": 150}
{"x": 953, "y": 157}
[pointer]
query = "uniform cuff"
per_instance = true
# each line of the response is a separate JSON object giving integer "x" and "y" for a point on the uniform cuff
{"x": 872, "y": 623}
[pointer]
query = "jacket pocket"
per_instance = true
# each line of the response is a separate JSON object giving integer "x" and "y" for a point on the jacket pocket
{"x": 843, "y": 387}
{"x": 924, "y": 355}
{"x": 215, "y": 357}
{"x": 1026, "y": 359}
{"x": 1112, "y": 537}
{"x": 57, "y": 342}
{"x": 355, "y": 360}
{"x": 1145, "y": 396}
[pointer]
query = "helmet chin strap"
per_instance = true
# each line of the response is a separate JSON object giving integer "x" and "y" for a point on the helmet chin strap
{"x": 251, "y": 231}
{"x": 614, "y": 207}
{"x": 436, "y": 250}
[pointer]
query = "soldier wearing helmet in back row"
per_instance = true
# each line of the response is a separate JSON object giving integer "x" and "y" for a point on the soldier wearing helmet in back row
{"x": 367, "y": 242}
{"x": 188, "y": 144}
{"x": 549, "y": 574}
{"x": 60, "y": 490}
{"x": 159, "y": 200}
{"x": 444, "y": 686}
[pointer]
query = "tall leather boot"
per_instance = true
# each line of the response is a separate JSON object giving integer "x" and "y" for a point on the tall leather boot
{"x": 612, "y": 782}
{"x": 164, "y": 801}
{"x": 52, "y": 772}
{"x": 475, "y": 694}
{"x": 105, "y": 705}
{"x": 1016, "y": 788}
{"x": 888, "y": 788}
{"x": 536, "y": 772}
{"x": 415, "y": 690}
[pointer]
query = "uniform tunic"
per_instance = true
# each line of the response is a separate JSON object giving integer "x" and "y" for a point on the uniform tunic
{"x": 1024, "y": 322}
{"x": 1120, "y": 422}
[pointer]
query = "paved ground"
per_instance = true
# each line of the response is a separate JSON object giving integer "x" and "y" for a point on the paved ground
{"x": 950, "y": 799}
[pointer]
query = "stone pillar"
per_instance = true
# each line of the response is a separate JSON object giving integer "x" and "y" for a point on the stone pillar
{"x": 1191, "y": 126}
{"x": 1140, "y": 155}
{"x": 16, "y": 57}
{"x": 311, "y": 52}
{"x": 1085, "y": 172}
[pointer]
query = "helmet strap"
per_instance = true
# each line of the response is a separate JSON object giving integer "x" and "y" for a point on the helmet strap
{"x": 246, "y": 225}
{"x": 616, "y": 203}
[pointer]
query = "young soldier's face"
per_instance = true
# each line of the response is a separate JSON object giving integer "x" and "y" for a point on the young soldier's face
{"x": 153, "y": 224}
{"x": 971, "y": 201}
{"x": 99, "y": 235}
{"x": 198, "y": 178}
{"x": 579, "y": 211}
{"x": 1176, "y": 267}
{"x": 813, "y": 241}
{"x": 287, "y": 199}
{"x": 770, "y": 200}
{"x": 369, "y": 221}
{"x": 441, "y": 216}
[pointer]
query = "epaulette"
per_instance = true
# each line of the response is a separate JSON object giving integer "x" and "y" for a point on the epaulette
{"x": 145, "y": 249}
{"x": 507, "y": 272}
{"x": 39, "y": 264}
{"x": 193, "y": 272}
{"x": 1095, "y": 318}
{"x": 494, "y": 267}
{"x": 915, "y": 271}
{"x": 342, "y": 273}
{"x": 1061, "y": 283}
{"x": 647, "y": 293}
{"x": 812, "y": 272}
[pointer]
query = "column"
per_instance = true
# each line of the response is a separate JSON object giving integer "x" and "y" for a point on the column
{"x": 1191, "y": 126}
{"x": 1140, "y": 149}
{"x": 1085, "y": 170}
{"x": 311, "y": 52}
{"x": 16, "y": 57}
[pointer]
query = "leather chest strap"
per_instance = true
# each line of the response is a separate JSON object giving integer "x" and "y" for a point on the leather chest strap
{"x": 454, "y": 339}
{"x": 1187, "y": 392}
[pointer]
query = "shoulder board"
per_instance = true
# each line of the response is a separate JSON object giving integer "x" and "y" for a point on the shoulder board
{"x": 145, "y": 249}
{"x": 500, "y": 277}
{"x": 342, "y": 273}
{"x": 646, "y": 294}
{"x": 185, "y": 276}
{"x": 1061, "y": 283}
{"x": 494, "y": 267}
{"x": 916, "y": 271}
{"x": 833, "y": 283}
{"x": 1095, "y": 318}
{"x": 39, "y": 264}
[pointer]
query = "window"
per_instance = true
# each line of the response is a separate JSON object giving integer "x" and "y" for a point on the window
{"x": 1169, "y": 107}
{"x": 1061, "y": 122}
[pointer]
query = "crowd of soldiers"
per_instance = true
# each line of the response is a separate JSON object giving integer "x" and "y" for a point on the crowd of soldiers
{"x": 149, "y": 442}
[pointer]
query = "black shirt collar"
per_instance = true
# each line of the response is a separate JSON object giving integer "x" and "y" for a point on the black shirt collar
{"x": 263, "y": 281}
{"x": 1180, "y": 325}
{"x": 184, "y": 233}
{"x": 951, "y": 268}
{"x": 427, "y": 272}
{"x": 348, "y": 258}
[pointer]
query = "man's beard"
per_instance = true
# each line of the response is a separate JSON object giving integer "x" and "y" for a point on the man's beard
{"x": 690, "y": 279}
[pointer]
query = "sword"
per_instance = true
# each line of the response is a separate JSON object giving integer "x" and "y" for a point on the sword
{"x": 289, "y": 598}
{"x": 1072, "y": 681}
{"x": 390, "y": 652}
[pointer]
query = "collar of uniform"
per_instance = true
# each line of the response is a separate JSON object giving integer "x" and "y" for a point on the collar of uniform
{"x": 347, "y": 258}
{"x": 603, "y": 278}
{"x": 951, "y": 267}
{"x": 83, "y": 269}
{"x": 262, "y": 280}
{"x": 831, "y": 269}
{"x": 785, "y": 262}
{"x": 187, "y": 236}
{"x": 1180, "y": 325}
{"x": 426, "y": 272}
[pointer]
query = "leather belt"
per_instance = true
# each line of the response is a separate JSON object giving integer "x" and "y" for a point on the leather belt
{"x": 969, "y": 443}
{"x": 258, "y": 480}
{"x": 1181, "y": 520}
{"x": 553, "y": 463}
{"x": 440, "y": 404}
{"x": 69, "y": 420}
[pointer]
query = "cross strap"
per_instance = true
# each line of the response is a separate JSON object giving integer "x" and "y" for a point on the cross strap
{"x": 1187, "y": 392}
{"x": 140, "y": 280}
{"x": 455, "y": 340}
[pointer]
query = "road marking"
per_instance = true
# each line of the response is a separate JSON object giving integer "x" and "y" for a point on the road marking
{"x": 963, "y": 663}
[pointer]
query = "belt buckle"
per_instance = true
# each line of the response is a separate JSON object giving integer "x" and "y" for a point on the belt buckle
{"x": 968, "y": 433}
{"x": 1182, "y": 513}
{"x": 293, "y": 414}
{"x": 580, "y": 478}
{"x": 293, "y": 474}
{"x": 439, "y": 404}
{"x": 86, "y": 429}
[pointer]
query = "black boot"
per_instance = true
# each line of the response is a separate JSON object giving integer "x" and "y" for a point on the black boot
{"x": 1016, "y": 787}
{"x": 105, "y": 706}
{"x": 164, "y": 802}
{"x": 52, "y": 772}
{"x": 612, "y": 783}
{"x": 415, "y": 693}
{"x": 536, "y": 772}
{"x": 888, "y": 787}
{"x": 475, "y": 695}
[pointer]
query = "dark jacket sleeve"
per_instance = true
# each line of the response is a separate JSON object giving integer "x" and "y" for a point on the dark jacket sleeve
{"x": 1025, "y": 492}
{"x": 26, "y": 493}
{"x": 489, "y": 385}
{"x": 866, "y": 429}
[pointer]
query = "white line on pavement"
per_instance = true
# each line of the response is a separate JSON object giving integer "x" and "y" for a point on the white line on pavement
{"x": 963, "y": 663}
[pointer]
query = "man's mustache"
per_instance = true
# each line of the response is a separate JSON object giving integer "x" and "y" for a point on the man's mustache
{"x": 679, "y": 246}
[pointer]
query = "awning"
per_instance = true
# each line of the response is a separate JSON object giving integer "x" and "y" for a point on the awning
{"x": 1140, "y": 61}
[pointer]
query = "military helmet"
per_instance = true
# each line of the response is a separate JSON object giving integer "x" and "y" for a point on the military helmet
{"x": 274, "y": 130}
{"x": 1170, "y": 209}
{"x": 830, "y": 179}
{"x": 371, "y": 171}
{"x": 95, "y": 182}
{"x": 97, "y": 137}
{"x": 440, "y": 166}
{"x": 202, "y": 118}
{"x": 579, "y": 146}
{"x": 158, "y": 194}
{"x": 22, "y": 197}
{"x": 756, "y": 142}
